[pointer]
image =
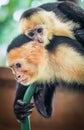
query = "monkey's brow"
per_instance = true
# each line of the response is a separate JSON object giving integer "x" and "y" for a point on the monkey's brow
{"x": 32, "y": 30}
{"x": 37, "y": 27}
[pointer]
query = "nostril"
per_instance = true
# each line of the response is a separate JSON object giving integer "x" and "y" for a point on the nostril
{"x": 19, "y": 76}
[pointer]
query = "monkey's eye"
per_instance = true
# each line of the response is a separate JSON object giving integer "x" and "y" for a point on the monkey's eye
{"x": 31, "y": 34}
{"x": 39, "y": 30}
{"x": 18, "y": 65}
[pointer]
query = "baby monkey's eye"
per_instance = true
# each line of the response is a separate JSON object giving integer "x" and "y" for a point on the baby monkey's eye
{"x": 39, "y": 30}
{"x": 18, "y": 65}
{"x": 31, "y": 34}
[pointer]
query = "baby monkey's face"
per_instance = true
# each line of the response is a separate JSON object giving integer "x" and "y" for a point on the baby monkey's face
{"x": 25, "y": 62}
{"x": 36, "y": 27}
{"x": 36, "y": 31}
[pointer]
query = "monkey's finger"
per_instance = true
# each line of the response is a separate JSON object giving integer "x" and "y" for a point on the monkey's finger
{"x": 23, "y": 104}
{"x": 21, "y": 117}
{"x": 20, "y": 102}
{"x": 22, "y": 110}
{"x": 29, "y": 106}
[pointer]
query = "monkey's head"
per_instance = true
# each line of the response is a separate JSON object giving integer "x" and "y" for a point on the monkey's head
{"x": 25, "y": 57}
{"x": 37, "y": 24}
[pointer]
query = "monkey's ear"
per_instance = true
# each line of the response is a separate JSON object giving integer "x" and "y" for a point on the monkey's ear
{"x": 43, "y": 98}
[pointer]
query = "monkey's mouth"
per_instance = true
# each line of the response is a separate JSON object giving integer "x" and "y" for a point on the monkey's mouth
{"x": 40, "y": 40}
{"x": 25, "y": 80}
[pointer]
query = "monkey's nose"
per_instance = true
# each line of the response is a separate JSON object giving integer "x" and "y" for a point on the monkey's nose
{"x": 19, "y": 76}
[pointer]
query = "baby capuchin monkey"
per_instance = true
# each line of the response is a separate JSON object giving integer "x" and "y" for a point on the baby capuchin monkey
{"x": 59, "y": 63}
{"x": 60, "y": 18}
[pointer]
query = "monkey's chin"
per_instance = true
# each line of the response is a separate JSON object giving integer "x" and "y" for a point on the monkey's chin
{"x": 26, "y": 83}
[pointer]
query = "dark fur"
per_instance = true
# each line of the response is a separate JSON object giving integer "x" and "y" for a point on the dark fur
{"x": 18, "y": 41}
{"x": 56, "y": 40}
{"x": 30, "y": 12}
{"x": 71, "y": 10}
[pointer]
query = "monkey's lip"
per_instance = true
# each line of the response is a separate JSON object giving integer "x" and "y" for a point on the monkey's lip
{"x": 40, "y": 40}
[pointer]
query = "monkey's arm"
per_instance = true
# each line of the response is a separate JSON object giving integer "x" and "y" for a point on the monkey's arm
{"x": 43, "y": 98}
{"x": 69, "y": 11}
{"x": 75, "y": 13}
{"x": 72, "y": 12}
{"x": 21, "y": 109}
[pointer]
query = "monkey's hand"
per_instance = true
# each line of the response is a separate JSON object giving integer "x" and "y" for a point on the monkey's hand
{"x": 22, "y": 110}
{"x": 79, "y": 34}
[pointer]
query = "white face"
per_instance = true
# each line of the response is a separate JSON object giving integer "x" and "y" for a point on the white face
{"x": 36, "y": 34}
{"x": 25, "y": 62}
{"x": 24, "y": 72}
{"x": 35, "y": 30}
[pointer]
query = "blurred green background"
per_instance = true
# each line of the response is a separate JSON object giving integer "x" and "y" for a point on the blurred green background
{"x": 10, "y": 12}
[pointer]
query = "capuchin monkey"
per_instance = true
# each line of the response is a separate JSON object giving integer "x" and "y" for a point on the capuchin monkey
{"x": 59, "y": 63}
{"x": 60, "y": 18}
